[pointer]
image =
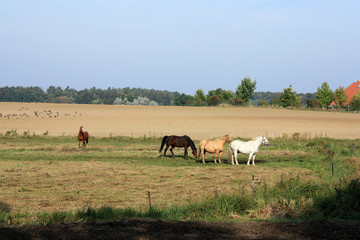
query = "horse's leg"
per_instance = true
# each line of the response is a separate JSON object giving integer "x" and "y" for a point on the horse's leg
{"x": 253, "y": 159}
{"x": 166, "y": 148}
{"x": 250, "y": 155}
{"x": 220, "y": 157}
{"x": 185, "y": 153}
{"x": 203, "y": 155}
{"x": 216, "y": 154}
{"x": 234, "y": 156}
{"x": 171, "y": 150}
{"x": 79, "y": 143}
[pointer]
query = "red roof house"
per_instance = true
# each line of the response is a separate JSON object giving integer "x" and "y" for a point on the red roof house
{"x": 350, "y": 91}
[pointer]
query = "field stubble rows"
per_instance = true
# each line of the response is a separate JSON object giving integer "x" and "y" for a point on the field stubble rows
{"x": 197, "y": 122}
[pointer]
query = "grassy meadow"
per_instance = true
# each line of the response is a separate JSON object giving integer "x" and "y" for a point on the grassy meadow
{"x": 48, "y": 179}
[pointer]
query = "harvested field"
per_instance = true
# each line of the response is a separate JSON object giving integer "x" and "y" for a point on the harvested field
{"x": 197, "y": 122}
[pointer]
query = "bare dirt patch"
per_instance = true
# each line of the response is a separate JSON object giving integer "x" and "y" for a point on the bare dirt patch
{"x": 197, "y": 122}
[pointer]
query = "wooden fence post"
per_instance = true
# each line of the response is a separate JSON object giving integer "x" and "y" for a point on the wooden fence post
{"x": 149, "y": 200}
{"x": 252, "y": 186}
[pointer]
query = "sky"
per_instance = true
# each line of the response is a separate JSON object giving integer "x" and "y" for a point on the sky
{"x": 180, "y": 45}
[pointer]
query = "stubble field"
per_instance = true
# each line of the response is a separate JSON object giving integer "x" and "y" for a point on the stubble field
{"x": 197, "y": 122}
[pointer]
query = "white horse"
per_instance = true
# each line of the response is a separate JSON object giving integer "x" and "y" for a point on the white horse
{"x": 250, "y": 147}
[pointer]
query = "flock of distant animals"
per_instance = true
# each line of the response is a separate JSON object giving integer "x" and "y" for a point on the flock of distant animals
{"x": 41, "y": 114}
{"x": 211, "y": 146}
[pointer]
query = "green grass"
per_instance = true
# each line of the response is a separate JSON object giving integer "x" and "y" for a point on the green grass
{"x": 291, "y": 198}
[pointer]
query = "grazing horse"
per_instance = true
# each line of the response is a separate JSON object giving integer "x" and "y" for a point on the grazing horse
{"x": 250, "y": 147}
{"x": 83, "y": 137}
{"x": 216, "y": 146}
{"x": 177, "y": 141}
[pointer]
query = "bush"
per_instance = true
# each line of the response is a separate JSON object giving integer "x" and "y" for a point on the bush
{"x": 355, "y": 102}
{"x": 346, "y": 203}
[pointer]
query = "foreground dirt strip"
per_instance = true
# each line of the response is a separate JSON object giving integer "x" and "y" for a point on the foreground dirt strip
{"x": 157, "y": 229}
{"x": 198, "y": 122}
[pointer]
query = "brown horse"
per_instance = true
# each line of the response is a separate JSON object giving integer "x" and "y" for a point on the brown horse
{"x": 216, "y": 146}
{"x": 83, "y": 137}
{"x": 177, "y": 141}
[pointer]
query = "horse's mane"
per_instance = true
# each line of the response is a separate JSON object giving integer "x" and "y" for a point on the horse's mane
{"x": 225, "y": 136}
{"x": 192, "y": 145}
{"x": 256, "y": 138}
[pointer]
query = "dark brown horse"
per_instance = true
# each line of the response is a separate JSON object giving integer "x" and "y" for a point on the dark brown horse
{"x": 177, "y": 141}
{"x": 83, "y": 137}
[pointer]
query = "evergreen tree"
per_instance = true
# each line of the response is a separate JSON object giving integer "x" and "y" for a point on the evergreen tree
{"x": 288, "y": 98}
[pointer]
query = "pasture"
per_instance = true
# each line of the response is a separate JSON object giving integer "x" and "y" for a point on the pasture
{"x": 51, "y": 174}
{"x": 43, "y": 170}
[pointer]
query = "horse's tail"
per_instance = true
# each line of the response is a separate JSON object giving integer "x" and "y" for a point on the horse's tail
{"x": 163, "y": 143}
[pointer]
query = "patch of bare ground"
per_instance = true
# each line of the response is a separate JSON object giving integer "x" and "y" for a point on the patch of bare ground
{"x": 148, "y": 229}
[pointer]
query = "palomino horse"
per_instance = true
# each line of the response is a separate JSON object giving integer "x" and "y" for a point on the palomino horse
{"x": 83, "y": 137}
{"x": 250, "y": 147}
{"x": 177, "y": 141}
{"x": 216, "y": 146}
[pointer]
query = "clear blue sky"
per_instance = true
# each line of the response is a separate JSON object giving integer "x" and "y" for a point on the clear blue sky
{"x": 179, "y": 45}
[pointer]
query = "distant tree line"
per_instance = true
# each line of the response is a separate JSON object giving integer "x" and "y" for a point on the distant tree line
{"x": 244, "y": 95}
{"x": 87, "y": 96}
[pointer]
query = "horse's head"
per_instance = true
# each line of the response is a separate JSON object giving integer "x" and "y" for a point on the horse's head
{"x": 194, "y": 152}
{"x": 265, "y": 141}
{"x": 82, "y": 129}
{"x": 228, "y": 138}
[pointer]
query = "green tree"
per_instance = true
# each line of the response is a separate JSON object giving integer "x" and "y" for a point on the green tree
{"x": 223, "y": 96}
{"x": 213, "y": 100}
{"x": 288, "y": 98}
{"x": 200, "y": 98}
{"x": 184, "y": 100}
{"x": 340, "y": 96}
{"x": 275, "y": 101}
{"x": 355, "y": 102}
{"x": 246, "y": 89}
{"x": 312, "y": 103}
{"x": 325, "y": 95}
